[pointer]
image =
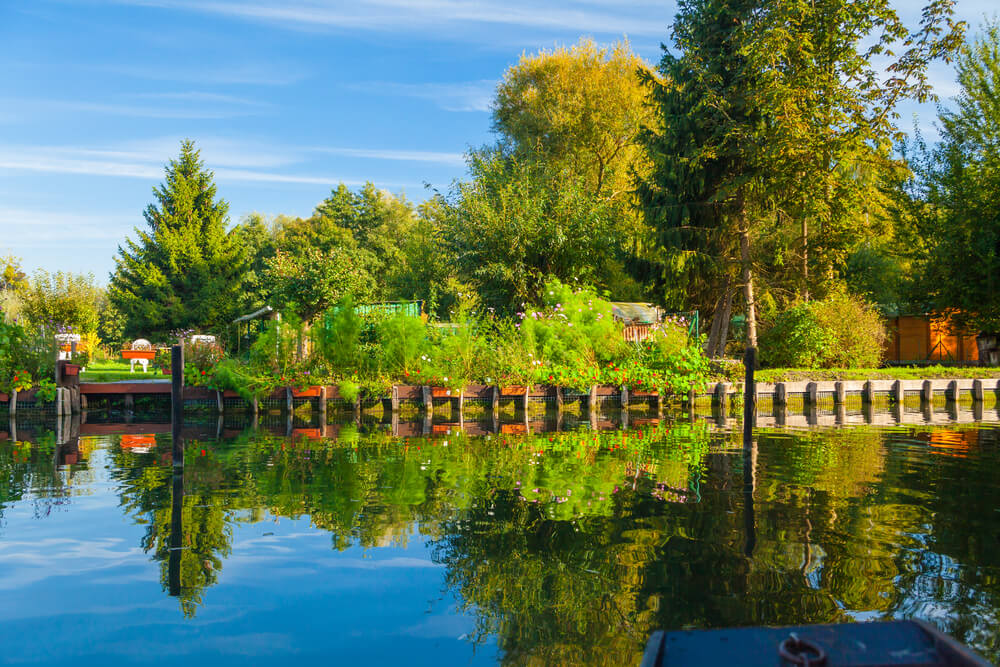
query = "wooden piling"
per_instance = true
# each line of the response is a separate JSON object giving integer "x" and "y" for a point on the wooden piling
{"x": 218, "y": 401}
{"x": 868, "y": 393}
{"x": 898, "y": 392}
{"x": 749, "y": 395}
{"x": 289, "y": 400}
{"x": 839, "y": 393}
{"x": 394, "y": 400}
{"x": 177, "y": 401}
{"x": 951, "y": 393}
{"x": 592, "y": 401}
{"x": 495, "y": 404}
{"x": 559, "y": 399}
{"x": 812, "y": 393}
{"x": 322, "y": 405}
{"x": 720, "y": 395}
{"x": 428, "y": 397}
{"x": 978, "y": 392}
{"x": 927, "y": 391}
{"x": 129, "y": 403}
{"x": 780, "y": 394}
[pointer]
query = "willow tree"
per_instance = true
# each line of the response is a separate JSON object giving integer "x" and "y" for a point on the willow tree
{"x": 185, "y": 271}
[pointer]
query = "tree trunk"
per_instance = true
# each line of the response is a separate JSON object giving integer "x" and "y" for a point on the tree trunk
{"x": 719, "y": 332}
{"x": 713, "y": 335}
{"x": 748, "y": 283}
{"x": 805, "y": 259}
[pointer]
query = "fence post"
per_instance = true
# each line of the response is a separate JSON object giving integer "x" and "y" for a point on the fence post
{"x": 839, "y": 393}
{"x": 897, "y": 392}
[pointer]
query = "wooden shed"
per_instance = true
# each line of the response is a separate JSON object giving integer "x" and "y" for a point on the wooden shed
{"x": 915, "y": 338}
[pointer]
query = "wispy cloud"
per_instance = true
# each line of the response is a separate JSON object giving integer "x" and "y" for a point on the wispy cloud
{"x": 231, "y": 161}
{"x": 455, "y": 159}
{"x": 109, "y": 163}
{"x": 180, "y": 106}
{"x": 460, "y": 96}
{"x": 34, "y": 226}
{"x": 387, "y": 15}
{"x": 242, "y": 73}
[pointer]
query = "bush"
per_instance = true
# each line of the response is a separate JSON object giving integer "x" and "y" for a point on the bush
{"x": 839, "y": 331}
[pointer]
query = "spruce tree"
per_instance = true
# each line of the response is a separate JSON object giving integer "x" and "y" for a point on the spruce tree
{"x": 186, "y": 270}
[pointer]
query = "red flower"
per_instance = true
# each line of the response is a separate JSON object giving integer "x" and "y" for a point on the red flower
{"x": 203, "y": 372}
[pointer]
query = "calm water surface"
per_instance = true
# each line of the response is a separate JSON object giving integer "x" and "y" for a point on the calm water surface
{"x": 521, "y": 549}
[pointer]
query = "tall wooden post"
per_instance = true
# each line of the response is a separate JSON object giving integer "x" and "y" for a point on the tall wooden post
{"x": 428, "y": 399}
{"x": 749, "y": 449}
{"x": 176, "y": 530}
{"x": 322, "y": 406}
{"x": 749, "y": 395}
{"x": 177, "y": 401}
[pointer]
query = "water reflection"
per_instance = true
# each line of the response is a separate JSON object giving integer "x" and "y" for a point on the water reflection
{"x": 573, "y": 546}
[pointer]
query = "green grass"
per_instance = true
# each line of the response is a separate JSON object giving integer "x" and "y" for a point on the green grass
{"x": 116, "y": 371}
{"x": 895, "y": 373}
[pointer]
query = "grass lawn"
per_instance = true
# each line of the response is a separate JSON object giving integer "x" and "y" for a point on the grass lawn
{"x": 894, "y": 373}
{"x": 113, "y": 371}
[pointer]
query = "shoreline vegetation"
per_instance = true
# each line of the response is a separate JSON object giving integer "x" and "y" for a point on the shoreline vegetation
{"x": 780, "y": 202}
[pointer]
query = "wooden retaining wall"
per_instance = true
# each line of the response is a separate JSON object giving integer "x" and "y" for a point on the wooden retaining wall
{"x": 74, "y": 399}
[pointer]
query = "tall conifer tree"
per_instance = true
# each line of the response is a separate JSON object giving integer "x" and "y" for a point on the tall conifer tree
{"x": 186, "y": 270}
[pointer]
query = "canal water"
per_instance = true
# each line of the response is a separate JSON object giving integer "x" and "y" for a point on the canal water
{"x": 548, "y": 548}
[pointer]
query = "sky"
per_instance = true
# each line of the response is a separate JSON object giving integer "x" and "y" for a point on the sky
{"x": 285, "y": 99}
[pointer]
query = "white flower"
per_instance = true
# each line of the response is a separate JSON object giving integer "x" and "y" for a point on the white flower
{"x": 446, "y": 379}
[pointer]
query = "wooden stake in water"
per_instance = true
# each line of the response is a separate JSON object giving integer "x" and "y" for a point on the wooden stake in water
{"x": 749, "y": 451}
{"x": 177, "y": 401}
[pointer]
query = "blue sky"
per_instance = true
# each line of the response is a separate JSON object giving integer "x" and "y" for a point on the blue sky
{"x": 286, "y": 98}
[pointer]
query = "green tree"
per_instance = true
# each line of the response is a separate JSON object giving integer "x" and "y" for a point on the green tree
{"x": 961, "y": 188}
{"x": 580, "y": 107}
{"x": 186, "y": 270}
{"x": 775, "y": 115}
{"x": 314, "y": 280}
{"x": 63, "y": 299}
{"x": 518, "y": 221}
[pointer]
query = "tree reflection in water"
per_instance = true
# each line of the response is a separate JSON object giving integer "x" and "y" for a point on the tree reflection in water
{"x": 575, "y": 546}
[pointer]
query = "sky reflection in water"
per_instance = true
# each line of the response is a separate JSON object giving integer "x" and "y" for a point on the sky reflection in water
{"x": 540, "y": 548}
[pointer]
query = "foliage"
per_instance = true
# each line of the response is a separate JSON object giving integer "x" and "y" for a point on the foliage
{"x": 837, "y": 332}
{"x": 316, "y": 279}
{"x": 582, "y": 106}
{"x": 402, "y": 340}
{"x": 337, "y": 337}
{"x": 110, "y": 325}
{"x": 200, "y": 361}
{"x": 63, "y": 299}
{"x": 518, "y": 221}
{"x": 186, "y": 270}
{"x": 774, "y": 116}
{"x": 961, "y": 187}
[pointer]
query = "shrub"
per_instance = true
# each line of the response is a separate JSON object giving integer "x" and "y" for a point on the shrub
{"x": 337, "y": 337}
{"x": 839, "y": 331}
{"x": 402, "y": 340}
